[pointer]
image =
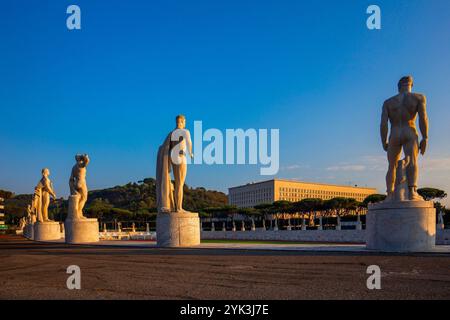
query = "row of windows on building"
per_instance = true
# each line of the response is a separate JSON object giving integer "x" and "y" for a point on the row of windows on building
{"x": 293, "y": 194}
{"x": 254, "y": 196}
{"x": 290, "y": 194}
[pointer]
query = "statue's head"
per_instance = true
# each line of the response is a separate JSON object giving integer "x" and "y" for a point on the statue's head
{"x": 80, "y": 158}
{"x": 45, "y": 172}
{"x": 405, "y": 82}
{"x": 181, "y": 121}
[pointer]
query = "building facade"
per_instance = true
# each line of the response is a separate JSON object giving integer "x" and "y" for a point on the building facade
{"x": 269, "y": 191}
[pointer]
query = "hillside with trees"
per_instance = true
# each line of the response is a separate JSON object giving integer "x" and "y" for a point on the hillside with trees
{"x": 133, "y": 201}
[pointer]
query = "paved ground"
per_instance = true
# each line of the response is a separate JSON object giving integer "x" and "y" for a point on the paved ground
{"x": 30, "y": 270}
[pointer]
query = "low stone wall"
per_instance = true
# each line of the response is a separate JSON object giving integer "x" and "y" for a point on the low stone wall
{"x": 339, "y": 236}
{"x": 332, "y": 236}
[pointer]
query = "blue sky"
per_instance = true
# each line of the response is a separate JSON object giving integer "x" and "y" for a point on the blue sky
{"x": 309, "y": 68}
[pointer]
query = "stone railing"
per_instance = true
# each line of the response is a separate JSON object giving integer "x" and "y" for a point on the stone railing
{"x": 331, "y": 236}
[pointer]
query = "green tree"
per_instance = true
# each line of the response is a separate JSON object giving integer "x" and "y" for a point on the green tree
{"x": 309, "y": 206}
{"x": 373, "y": 198}
{"x": 431, "y": 193}
{"x": 341, "y": 205}
{"x": 6, "y": 194}
{"x": 98, "y": 207}
{"x": 281, "y": 206}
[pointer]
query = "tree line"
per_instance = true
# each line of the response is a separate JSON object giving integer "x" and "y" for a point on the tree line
{"x": 137, "y": 202}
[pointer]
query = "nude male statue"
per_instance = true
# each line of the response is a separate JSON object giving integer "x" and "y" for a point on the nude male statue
{"x": 178, "y": 159}
{"x": 77, "y": 182}
{"x": 45, "y": 190}
{"x": 401, "y": 111}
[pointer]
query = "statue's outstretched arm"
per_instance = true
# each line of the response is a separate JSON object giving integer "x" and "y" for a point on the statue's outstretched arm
{"x": 384, "y": 128}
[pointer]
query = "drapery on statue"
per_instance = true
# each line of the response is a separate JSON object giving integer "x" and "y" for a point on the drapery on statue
{"x": 172, "y": 157}
{"x": 401, "y": 111}
{"x": 77, "y": 184}
{"x": 42, "y": 193}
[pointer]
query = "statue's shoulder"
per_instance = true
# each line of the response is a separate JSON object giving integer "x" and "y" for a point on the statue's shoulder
{"x": 42, "y": 182}
{"x": 419, "y": 96}
{"x": 391, "y": 100}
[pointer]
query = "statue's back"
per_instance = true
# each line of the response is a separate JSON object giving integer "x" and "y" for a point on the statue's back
{"x": 403, "y": 108}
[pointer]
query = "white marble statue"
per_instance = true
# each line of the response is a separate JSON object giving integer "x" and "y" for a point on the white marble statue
{"x": 78, "y": 228}
{"x": 22, "y": 223}
{"x": 404, "y": 222}
{"x": 401, "y": 112}
{"x": 441, "y": 217}
{"x": 172, "y": 157}
{"x": 42, "y": 193}
{"x": 31, "y": 213}
{"x": 78, "y": 185}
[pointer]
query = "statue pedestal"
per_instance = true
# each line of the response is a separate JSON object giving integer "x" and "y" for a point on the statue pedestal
{"x": 28, "y": 231}
{"x": 177, "y": 229}
{"x": 401, "y": 226}
{"x": 45, "y": 231}
{"x": 78, "y": 229}
{"x": 81, "y": 230}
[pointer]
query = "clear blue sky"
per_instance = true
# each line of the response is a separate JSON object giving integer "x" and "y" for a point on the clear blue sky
{"x": 310, "y": 68}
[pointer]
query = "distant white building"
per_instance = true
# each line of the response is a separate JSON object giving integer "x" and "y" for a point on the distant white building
{"x": 255, "y": 193}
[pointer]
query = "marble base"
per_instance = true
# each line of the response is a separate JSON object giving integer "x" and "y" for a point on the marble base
{"x": 28, "y": 231}
{"x": 401, "y": 226}
{"x": 81, "y": 231}
{"x": 177, "y": 229}
{"x": 45, "y": 231}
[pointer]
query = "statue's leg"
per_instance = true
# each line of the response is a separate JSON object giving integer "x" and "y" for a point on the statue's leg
{"x": 393, "y": 153}
{"x": 179, "y": 174}
{"x": 45, "y": 204}
{"x": 411, "y": 149}
{"x": 83, "y": 198}
{"x": 39, "y": 206}
{"x": 176, "y": 184}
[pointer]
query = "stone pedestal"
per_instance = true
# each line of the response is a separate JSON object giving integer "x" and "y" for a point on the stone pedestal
{"x": 45, "y": 231}
{"x": 401, "y": 226}
{"x": 81, "y": 230}
{"x": 177, "y": 229}
{"x": 28, "y": 231}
